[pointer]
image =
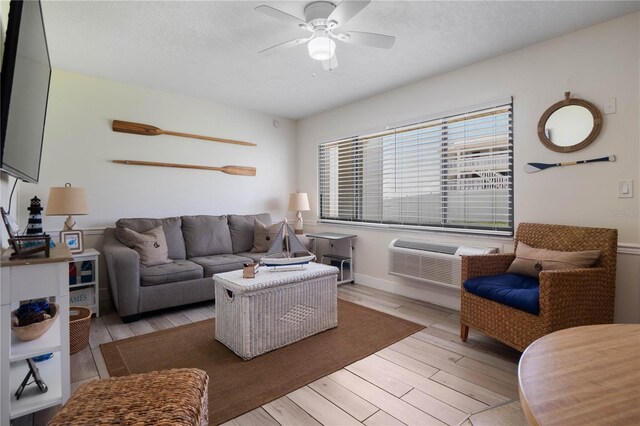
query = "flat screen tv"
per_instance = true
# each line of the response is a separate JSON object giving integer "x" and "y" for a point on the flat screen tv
{"x": 26, "y": 72}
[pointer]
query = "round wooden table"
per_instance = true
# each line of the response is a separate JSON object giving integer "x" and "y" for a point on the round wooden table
{"x": 583, "y": 375}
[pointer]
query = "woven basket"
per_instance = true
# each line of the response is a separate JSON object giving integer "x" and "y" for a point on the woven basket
{"x": 79, "y": 326}
{"x": 35, "y": 330}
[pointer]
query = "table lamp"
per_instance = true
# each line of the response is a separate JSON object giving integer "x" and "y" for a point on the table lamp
{"x": 298, "y": 202}
{"x": 67, "y": 201}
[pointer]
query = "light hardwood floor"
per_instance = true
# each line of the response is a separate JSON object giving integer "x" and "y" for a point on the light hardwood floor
{"x": 429, "y": 378}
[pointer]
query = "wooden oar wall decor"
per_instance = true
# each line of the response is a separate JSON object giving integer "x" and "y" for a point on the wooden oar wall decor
{"x": 536, "y": 167}
{"x": 148, "y": 130}
{"x": 230, "y": 170}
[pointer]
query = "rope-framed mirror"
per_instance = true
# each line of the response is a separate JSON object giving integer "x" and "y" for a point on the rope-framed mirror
{"x": 569, "y": 125}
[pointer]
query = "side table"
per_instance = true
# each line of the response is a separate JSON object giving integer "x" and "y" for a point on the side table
{"x": 344, "y": 263}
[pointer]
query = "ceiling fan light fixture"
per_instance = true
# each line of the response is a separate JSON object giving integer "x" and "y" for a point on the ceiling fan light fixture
{"x": 321, "y": 48}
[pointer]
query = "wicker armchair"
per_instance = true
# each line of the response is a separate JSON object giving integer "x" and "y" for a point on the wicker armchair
{"x": 568, "y": 298}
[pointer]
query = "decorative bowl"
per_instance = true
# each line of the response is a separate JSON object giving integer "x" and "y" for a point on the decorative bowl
{"x": 35, "y": 330}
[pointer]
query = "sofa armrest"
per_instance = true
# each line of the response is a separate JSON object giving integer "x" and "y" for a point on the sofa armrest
{"x": 123, "y": 271}
{"x": 486, "y": 264}
{"x": 574, "y": 297}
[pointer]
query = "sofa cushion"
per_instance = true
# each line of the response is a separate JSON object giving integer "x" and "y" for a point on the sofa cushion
{"x": 172, "y": 232}
{"x": 530, "y": 261}
{"x": 220, "y": 263}
{"x": 150, "y": 245}
{"x": 256, "y": 257}
{"x": 241, "y": 229}
{"x": 263, "y": 236}
{"x": 518, "y": 291}
{"x": 178, "y": 270}
{"x": 206, "y": 235}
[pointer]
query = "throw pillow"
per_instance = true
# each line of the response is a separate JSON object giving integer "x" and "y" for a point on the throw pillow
{"x": 172, "y": 227}
{"x": 264, "y": 235}
{"x": 530, "y": 261}
{"x": 241, "y": 230}
{"x": 150, "y": 245}
{"x": 206, "y": 235}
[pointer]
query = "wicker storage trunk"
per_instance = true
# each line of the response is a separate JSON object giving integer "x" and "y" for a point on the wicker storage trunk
{"x": 274, "y": 309}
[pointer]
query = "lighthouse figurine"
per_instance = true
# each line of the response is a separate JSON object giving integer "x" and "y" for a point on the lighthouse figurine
{"x": 34, "y": 226}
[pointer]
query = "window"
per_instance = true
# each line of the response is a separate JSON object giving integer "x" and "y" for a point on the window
{"x": 452, "y": 173}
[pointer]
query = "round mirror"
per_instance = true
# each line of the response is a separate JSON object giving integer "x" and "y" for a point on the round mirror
{"x": 569, "y": 125}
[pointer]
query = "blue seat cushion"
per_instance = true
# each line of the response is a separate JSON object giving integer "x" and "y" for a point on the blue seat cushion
{"x": 517, "y": 291}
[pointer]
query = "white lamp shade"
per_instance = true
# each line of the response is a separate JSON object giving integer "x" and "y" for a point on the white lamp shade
{"x": 321, "y": 48}
{"x": 299, "y": 202}
{"x": 66, "y": 201}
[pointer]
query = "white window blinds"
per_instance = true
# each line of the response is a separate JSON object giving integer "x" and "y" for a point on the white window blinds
{"x": 454, "y": 172}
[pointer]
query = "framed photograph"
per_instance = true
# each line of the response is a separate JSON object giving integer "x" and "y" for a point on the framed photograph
{"x": 73, "y": 239}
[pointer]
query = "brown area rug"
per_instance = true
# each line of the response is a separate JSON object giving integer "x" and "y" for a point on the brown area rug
{"x": 237, "y": 386}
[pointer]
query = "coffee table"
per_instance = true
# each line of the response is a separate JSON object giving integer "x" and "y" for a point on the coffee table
{"x": 274, "y": 309}
{"x": 583, "y": 376}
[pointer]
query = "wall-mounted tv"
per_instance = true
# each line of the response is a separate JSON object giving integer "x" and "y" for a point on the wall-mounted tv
{"x": 26, "y": 72}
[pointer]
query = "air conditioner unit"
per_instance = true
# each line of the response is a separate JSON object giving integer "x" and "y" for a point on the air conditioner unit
{"x": 435, "y": 263}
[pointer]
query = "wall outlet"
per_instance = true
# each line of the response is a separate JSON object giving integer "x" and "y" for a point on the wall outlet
{"x": 625, "y": 188}
{"x": 610, "y": 106}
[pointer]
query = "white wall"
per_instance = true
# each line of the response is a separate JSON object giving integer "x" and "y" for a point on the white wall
{"x": 594, "y": 64}
{"x": 79, "y": 146}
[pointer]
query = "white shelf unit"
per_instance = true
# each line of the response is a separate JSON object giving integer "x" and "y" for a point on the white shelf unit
{"x": 23, "y": 280}
{"x": 88, "y": 255}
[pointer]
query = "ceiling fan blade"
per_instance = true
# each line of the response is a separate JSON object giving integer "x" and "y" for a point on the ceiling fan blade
{"x": 346, "y": 10}
{"x": 367, "y": 39}
{"x": 330, "y": 64}
{"x": 285, "y": 45}
{"x": 280, "y": 15}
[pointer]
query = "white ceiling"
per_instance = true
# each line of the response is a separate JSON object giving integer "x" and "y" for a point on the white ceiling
{"x": 208, "y": 49}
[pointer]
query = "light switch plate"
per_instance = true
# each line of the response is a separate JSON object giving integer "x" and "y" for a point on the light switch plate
{"x": 625, "y": 188}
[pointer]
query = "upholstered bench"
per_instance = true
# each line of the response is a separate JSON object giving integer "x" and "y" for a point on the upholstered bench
{"x": 169, "y": 397}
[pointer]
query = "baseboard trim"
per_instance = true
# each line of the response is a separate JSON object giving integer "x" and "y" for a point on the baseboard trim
{"x": 629, "y": 248}
{"x": 438, "y": 295}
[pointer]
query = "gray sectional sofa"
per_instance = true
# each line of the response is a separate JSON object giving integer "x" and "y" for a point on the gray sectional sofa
{"x": 198, "y": 247}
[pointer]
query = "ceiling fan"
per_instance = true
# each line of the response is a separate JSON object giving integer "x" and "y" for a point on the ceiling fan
{"x": 321, "y": 19}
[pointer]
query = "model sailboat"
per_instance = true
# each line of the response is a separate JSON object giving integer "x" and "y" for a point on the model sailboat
{"x": 287, "y": 250}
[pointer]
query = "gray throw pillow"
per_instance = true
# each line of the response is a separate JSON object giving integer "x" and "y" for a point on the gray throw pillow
{"x": 241, "y": 229}
{"x": 206, "y": 235}
{"x": 264, "y": 235}
{"x": 150, "y": 245}
{"x": 172, "y": 227}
